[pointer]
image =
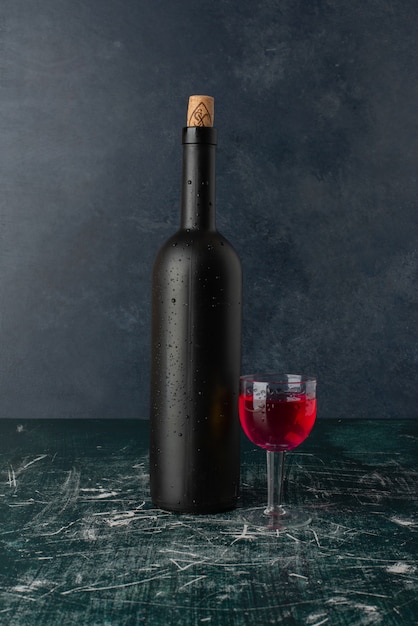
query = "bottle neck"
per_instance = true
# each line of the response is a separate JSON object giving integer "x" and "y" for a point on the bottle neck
{"x": 198, "y": 182}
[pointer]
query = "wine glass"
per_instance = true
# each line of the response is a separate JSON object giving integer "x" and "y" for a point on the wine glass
{"x": 277, "y": 412}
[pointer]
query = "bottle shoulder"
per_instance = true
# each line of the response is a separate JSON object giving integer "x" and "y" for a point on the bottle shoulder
{"x": 194, "y": 234}
{"x": 188, "y": 240}
{"x": 198, "y": 247}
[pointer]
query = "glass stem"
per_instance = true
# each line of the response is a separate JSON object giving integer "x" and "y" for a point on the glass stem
{"x": 275, "y": 475}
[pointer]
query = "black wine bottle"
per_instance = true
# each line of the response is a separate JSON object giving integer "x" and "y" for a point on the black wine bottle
{"x": 196, "y": 343}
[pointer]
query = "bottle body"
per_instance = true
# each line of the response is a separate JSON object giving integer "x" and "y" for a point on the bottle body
{"x": 196, "y": 353}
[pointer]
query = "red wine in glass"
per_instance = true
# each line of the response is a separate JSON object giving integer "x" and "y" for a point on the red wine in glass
{"x": 277, "y": 424}
{"x": 277, "y": 413}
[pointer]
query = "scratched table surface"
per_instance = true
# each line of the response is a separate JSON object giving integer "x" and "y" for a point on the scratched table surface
{"x": 80, "y": 541}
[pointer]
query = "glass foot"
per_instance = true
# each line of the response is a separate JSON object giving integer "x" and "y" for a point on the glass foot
{"x": 285, "y": 518}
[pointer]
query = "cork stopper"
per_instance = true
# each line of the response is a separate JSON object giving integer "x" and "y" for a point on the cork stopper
{"x": 200, "y": 111}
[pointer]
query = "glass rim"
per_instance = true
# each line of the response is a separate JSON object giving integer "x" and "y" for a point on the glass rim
{"x": 279, "y": 378}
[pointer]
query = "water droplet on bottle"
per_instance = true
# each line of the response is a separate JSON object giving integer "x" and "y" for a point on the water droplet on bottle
{"x": 174, "y": 244}
{"x": 189, "y": 182}
{"x": 173, "y": 300}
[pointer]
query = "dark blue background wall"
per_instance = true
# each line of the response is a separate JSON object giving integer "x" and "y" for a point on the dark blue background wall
{"x": 316, "y": 109}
